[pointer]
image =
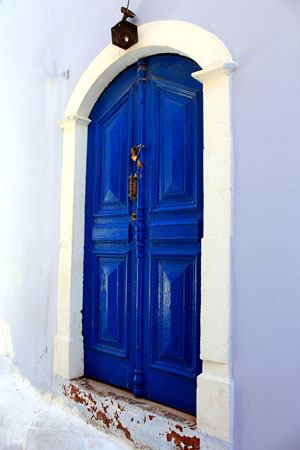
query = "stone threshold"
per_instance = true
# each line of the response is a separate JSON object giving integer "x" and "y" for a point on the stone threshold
{"x": 143, "y": 423}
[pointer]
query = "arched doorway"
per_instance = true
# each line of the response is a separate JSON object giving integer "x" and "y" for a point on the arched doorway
{"x": 211, "y": 54}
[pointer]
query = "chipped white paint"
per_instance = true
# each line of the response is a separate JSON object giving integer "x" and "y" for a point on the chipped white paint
{"x": 143, "y": 423}
{"x": 213, "y": 57}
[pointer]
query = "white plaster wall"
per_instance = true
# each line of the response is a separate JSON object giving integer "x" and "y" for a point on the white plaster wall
{"x": 39, "y": 42}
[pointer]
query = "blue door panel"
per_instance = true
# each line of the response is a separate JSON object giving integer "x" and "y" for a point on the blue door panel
{"x": 109, "y": 311}
{"x": 142, "y": 299}
{"x": 183, "y": 229}
{"x": 171, "y": 390}
{"x": 172, "y": 313}
{"x": 113, "y": 134}
{"x": 174, "y": 145}
{"x": 107, "y": 314}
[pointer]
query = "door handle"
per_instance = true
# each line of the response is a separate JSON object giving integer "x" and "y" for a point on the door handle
{"x": 135, "y": 151}
{"x": 132, "y": 194}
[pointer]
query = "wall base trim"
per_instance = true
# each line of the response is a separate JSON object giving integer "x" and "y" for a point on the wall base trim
{"x": 213, "y": 406}
{"x": 68, "y": 357}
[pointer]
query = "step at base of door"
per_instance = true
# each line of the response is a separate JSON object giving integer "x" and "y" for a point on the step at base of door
{"x": 143, "y": 423}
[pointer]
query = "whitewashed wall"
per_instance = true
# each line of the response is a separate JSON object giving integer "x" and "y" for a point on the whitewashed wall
{"x": 39, "y": 42}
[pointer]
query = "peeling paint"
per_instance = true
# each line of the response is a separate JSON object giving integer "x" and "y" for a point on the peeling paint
{"x": 92, "y": 400}
{"x": 75, "y": 394}
{"x": 184, "y": 442}
{"x": 81, "y": 397}
{"x": 102, "y": 416}
{"x": 121, "y": 427}
{"x": 132, "y": 417}
{"x": 105, "y": 408}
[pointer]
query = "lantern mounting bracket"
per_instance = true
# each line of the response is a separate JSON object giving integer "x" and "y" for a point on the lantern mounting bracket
{"x": 127, "y": 13}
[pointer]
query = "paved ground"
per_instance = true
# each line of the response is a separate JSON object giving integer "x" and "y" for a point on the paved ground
{"x": 32, "y": 421}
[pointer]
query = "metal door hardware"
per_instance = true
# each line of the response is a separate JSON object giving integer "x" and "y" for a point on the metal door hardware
{"x": 135, "y": 151}
{"x": 132, "y": 187}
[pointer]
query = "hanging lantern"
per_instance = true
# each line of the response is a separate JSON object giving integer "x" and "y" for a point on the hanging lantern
{"x": 124, "y": 34}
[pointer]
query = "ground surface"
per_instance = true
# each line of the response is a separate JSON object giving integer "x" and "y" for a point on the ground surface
{"x": 32, "y": 421}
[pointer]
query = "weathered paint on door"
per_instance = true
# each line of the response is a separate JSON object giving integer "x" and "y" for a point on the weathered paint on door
{"x": 142, "y": 277}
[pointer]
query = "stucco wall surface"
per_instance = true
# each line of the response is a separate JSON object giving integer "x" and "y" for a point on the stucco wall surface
{"x": 39, "y": 42}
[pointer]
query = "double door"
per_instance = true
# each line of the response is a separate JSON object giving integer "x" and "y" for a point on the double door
{"x": 144, "y": 218}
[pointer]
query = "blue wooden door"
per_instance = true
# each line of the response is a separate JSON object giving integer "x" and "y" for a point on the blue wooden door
{"x": 141, "y": 313}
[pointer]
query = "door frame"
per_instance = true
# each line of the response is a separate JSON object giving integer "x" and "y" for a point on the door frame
{"x": 213, "y": 384}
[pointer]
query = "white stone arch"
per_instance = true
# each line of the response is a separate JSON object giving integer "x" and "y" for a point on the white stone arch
{"x": 213, "y": 396}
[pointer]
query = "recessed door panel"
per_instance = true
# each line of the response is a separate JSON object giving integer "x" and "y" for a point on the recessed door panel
{"x": 172, "y": 313}
{"x": 110, "y": 311}
{"x": 113, "y": 133}
{"x": 175, "y": 146}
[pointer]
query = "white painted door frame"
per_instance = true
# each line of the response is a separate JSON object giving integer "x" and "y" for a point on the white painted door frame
{"x": 213, "y": 391}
